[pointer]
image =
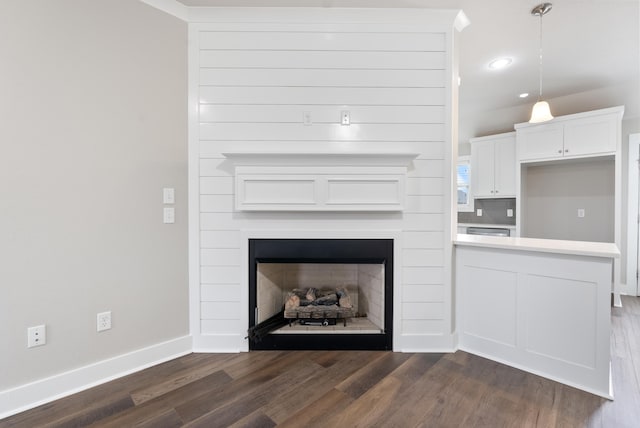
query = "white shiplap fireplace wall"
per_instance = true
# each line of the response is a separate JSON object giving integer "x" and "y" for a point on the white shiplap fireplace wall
{"x": 254, "y": 74}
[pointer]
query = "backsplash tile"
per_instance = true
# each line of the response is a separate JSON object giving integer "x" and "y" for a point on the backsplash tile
{"x": 494, "y": 211}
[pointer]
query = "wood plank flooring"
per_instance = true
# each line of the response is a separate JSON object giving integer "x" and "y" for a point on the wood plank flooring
{"x": 352, "y": 389}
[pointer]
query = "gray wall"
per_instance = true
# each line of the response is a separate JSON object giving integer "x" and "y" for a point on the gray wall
{"x": 555, "y": 192}
{"x": 93, "y": 111}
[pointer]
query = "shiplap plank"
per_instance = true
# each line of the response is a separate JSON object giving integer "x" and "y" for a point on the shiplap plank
{"x": 324, "y": 60}
{"x": 319, "y": 220}
{"x": 220, "y": 257}
{"x": 323, "y": 78}
{"x": 422, "y": 310}
{"x": 427, "y": 168}
{"x": 423, "y": 239}
{"x": 320, "y": 132}
{"x": 220, "y": 310}
{"x": 216, "y": 167}
{"x": 324, "y": 96}
{"x": 218, "y": 326}
{"x": 219, "y": 293}
{"x": 425, "y": 186}
{"x": 423, "y": 293}
{"x": 322, "y": 41}
{"x": 424, "y": 204}
{"x": 216, "y": 203}
{"x": 422, "y": 257}
{"x": 422, "y": 275}
{"x": 220, "y": 239}
{"x": 427, "y": 150}
{"x": 220, "y": 274}
{"x": 352, "y": 26}
{"x": 423, "y": 222}
{"x": 247, "y": 113}
{"x": 216, "y": 185}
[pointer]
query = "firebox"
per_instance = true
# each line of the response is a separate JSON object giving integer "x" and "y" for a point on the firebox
{"x": 320, "y": 294}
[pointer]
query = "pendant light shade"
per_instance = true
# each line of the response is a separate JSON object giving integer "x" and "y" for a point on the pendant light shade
{"x": 541, "y": 111}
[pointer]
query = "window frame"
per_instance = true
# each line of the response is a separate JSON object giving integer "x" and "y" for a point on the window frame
{"x": 469, "y": 206}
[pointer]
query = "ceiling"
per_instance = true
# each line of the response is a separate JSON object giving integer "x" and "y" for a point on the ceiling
{"x": 591, "y": 55}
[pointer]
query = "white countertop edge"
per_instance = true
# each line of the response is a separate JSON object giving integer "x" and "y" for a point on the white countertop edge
{"x": 580, "y": 248}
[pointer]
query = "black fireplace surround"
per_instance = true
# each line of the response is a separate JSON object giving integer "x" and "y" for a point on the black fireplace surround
{"x": 357, "y": 251}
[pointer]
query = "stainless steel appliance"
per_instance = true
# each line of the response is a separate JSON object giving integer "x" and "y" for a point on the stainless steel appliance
{"x": 488, "y": 231}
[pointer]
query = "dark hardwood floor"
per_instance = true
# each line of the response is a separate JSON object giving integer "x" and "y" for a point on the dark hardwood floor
{"x": 351, "y": 389}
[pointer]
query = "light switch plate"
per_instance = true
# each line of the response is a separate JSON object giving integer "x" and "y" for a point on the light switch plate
{"x": 509, "y": 212}
{"x": 168, "y": 195}
{"x": 479, "y": 212}
{"x": 169, "y": 215}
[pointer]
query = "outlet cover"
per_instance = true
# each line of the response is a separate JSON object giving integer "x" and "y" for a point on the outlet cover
{"x": 36, "y": 336}
{"x": 479, "y": 212}
{"x": 103, "y": 321}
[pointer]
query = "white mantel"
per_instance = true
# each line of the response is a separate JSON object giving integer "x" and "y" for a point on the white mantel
{"x": 285, "y": 181}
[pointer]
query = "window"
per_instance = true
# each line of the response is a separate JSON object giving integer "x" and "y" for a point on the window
{"x": 465, "y": 200}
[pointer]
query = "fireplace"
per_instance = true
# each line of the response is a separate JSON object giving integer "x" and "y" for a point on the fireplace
{"x": 351, "y": 281}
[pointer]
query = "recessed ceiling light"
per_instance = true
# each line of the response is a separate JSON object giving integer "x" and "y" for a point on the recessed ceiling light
{"x": 524, "y": 95}
{"x": 499, "y": 63}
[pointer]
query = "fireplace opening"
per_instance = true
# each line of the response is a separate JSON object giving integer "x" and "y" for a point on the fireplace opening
{"x": 320, "y": 294}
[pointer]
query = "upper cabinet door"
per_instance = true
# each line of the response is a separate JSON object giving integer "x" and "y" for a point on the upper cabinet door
{"x": 541, "y": 142}
{"x": 482, "y": 169}
{"x": 588, "y": 136}
{"x": 505, "y": 167}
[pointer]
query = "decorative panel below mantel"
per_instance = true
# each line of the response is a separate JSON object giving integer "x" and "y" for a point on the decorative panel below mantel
{"x": 320, "y": 182}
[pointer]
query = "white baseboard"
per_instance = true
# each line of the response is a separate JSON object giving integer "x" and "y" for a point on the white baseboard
{"x": 627, "y": 290}
{"x": 445, "y": 343}
{"x": 220, "y": 343}
{"x": 30, "y": 395}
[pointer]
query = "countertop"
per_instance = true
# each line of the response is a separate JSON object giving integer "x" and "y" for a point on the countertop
{"x": 581, "y": 248}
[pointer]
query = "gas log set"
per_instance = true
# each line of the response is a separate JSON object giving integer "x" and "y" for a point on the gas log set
{"x": 308, "y": 307}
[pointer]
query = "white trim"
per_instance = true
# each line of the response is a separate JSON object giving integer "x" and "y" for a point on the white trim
{"x": 417, "y": 343}
{"x": 433, "y": 19}
{"x": 469, "y": 206}
{"x": 28, "y": 396}
{"x": 172, "y": 7}
{"x": 633, "y": 173}
{"x": 194, "y": 183}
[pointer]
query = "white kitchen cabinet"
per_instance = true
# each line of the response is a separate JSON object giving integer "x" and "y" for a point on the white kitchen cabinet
{"x": 578, "y": 135}
{"x": 493, "y": 166}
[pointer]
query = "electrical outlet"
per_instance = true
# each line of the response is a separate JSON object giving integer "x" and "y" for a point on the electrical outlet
{"x": 580, "y": 212}
{"x": 306, "y": 118}
{"x": 36, "y": 336}
{"x": 345, "y": 117}
{"x": 103, "y": 321}
{"x": 509, "y": 212}
{"x": 479, "y": 212}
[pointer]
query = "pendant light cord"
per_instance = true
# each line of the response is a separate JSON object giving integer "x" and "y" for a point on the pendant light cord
{"x": 540, "y": 63}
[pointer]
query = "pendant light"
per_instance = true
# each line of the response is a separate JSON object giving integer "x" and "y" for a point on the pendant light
{"x": 541, "y": 111}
